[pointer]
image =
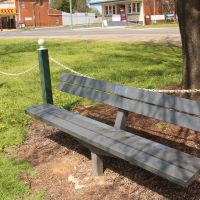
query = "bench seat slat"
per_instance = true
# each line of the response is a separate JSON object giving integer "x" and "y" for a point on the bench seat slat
{"x": 115, "y": 147}
{"x": 158, "y": 150}
{"x": 142, "y": 108}
{"x": 177, "y": 103}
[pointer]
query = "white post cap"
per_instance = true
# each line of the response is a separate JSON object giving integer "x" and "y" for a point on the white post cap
{"x": 41, "y": 43}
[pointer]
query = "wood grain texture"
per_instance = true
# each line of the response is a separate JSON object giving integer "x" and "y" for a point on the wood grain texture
{"x": 120, "y": 121}
{"x": 156, "y": 149}
{"x": 97, "y": 164}
{"x": 165, "y": 161}
{"x": 164, "y": 100}
{"x": 156, "y": 112}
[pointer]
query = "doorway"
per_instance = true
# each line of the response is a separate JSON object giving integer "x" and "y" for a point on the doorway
{"x": 8, "y": 22}
{"x": 122, "y": 11}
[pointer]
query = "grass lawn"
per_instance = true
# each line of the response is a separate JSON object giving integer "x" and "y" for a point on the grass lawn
{"x": 138, "y": 65}
{"x": 156, "y": 26}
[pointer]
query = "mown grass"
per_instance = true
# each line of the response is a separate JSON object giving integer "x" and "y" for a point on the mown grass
{"x": 158, "y": 25}
{"x": 138, "y": 65}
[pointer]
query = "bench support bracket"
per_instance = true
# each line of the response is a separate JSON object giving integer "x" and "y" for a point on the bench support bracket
{"x": 97, "y": 164}
{"x": 120, "y": 121}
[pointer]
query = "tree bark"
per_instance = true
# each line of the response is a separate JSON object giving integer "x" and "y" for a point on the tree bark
{"x": 189, "y": 22}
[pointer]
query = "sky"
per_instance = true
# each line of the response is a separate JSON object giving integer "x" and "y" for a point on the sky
{"x": 98, "y": 7}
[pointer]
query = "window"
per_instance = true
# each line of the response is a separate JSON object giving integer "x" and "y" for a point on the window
{"x": 138, "y": 7}
{"x": 114, "y": 10}
{"x": 106, "y": 10}
{"x": 22, "y": 4}
{"x": 57, "y": 19}
{"x": 110, "y": 10}
{"x": 134, "y": 8}
{"x": 129, "y": 8}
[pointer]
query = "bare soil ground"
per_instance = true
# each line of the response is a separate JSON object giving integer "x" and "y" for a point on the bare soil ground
{"x": 64, "y": 170}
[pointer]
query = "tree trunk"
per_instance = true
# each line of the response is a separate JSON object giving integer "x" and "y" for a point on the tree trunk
{"x": 189, "y": 21}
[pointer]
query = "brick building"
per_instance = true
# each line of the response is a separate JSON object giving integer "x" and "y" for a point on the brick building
{"x": 138, "y": 11}
{"x": 7, "y": 15}
{"x": 36, "y": 13}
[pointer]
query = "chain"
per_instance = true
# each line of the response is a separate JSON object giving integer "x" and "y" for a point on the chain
{"x": 151, "y": 90}
{"x": 68, "y": 68}
{"x": 173, "y": 91}
{"x": 75, "y": 72}
{"x": 20, "y": 73}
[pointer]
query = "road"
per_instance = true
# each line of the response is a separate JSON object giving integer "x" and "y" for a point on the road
{"x": 110, "y": 34}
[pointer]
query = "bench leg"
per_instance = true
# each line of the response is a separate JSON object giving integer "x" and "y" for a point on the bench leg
{"x": 120, "y": 121}
{"x": 97, "y": 164}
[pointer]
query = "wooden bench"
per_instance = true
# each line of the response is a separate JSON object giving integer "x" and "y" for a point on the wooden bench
{"x": 102, "y": 139}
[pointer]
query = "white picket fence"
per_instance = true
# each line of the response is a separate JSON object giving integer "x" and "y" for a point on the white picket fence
{"x": 80, "y": 18}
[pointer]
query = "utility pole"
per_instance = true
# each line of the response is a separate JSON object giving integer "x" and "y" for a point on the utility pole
{"x": 1, "y": 24}
{"x": 154, "y": 6}
{"x": 34, "y": 17}
{"x": 71, "y": 14}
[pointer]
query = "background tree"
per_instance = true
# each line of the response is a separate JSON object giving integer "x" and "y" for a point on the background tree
{"x": 64, "y": 5}
{"x": 80, "y": 6}
{"x": 168, "y": 6}
{"x": 189, "y": 21}
{"x": 55, "y": 3}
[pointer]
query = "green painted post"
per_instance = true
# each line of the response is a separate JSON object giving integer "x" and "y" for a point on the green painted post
{"x": 45, "y": 76}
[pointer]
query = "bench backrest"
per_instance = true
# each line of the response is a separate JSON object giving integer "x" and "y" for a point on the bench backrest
{"x": 175, "y": 110}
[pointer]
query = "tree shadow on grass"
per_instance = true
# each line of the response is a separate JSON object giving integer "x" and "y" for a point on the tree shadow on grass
{"x": 2, "y": 84}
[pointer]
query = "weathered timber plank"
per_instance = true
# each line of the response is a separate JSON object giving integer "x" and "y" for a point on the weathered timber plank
{"x": 156, "y": 112}
{"x": 120, "y": 121}
{"x": 94, "y": 149}
{"x": 97, "y": 164}
{"x": 144, "y": 160}
{"x": 41, "y": 109}
{"x": 160, "y": 151}
{"x": 168, "y": 101}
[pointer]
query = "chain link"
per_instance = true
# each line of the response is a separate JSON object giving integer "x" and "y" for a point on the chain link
{"x": 173, "y": 91}
{"x": 68, "y": 68}
{"x": 20, "y": 73}
{"x": 75, "y": 72}
{"x": 151, "y": 90}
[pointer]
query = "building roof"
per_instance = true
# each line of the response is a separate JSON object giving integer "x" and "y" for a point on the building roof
{"x": 93, "y": 2}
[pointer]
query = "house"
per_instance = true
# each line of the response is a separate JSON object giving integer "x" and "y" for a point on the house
{"x": 136, "y": 11}
{"x": 7, "y": 15}
{"x": 37, "y": 13}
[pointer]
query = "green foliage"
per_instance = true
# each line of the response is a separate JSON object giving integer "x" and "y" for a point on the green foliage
{"x": 64, "y": 5}
{"x": 80, "y": 6}
{"x": 128, "y": 64}
{"x": 158, "y": 25}
{"x": 138, "y": 65}
{"x": 10, "y": 171}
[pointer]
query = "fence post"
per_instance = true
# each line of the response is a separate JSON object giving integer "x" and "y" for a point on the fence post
{"x": 45, "y": 76}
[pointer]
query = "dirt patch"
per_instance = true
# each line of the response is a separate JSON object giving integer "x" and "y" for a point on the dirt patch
{"x": 64, "y": 169}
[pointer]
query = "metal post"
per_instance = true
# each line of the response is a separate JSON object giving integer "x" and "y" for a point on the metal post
{"x": 34, "y": 17}
{"x": 71, "y": 14}
{"x": 1, "y": 24}
{"x": 45, "y": 73}
{"x": 155, "y": 12}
